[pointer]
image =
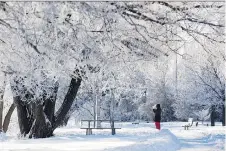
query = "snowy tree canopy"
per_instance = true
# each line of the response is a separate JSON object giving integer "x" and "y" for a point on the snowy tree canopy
{"x": 50, "y": 39}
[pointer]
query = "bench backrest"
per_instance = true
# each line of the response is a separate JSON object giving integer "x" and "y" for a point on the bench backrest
{"x": 90, "y": 123}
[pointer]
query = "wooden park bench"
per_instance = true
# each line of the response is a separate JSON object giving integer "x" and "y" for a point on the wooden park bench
{"x": 89, "y": 128}
{"x": 189, "y": 124}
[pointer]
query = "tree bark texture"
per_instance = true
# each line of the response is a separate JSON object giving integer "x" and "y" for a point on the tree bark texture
{"x": 25, "y": 118}
{"x": 41, "y": 127}
{"x": 223, "y": 115}
{"x": 213, "y": 116}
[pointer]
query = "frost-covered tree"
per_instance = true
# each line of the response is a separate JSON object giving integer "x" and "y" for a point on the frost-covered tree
{"x": 204, "y": 72}
{"x": 211, "y": 78}
{"x": 52, "y": 46}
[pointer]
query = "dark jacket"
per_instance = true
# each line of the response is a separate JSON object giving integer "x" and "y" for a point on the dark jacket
{"x": 157, "y": 113}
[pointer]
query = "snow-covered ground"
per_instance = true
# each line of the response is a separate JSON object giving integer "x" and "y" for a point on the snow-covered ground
{"x": 142, "y": 137}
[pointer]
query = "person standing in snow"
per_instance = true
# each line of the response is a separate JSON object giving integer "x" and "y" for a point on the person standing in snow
{"x": 157, "y": 110}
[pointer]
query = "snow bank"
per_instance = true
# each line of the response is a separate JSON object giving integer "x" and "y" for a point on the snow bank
{"x": 127, "y": 139}
{"x": 162, "y": 141}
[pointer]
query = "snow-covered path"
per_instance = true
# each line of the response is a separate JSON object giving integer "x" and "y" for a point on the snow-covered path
{"x": 202, "y": 138}
{"x": 142, "y": 137}
{"x": 205, "y": 143}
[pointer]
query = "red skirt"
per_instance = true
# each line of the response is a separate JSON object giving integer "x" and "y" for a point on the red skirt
{"x": 157, "y": 125}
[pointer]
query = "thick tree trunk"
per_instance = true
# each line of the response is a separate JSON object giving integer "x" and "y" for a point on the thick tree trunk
{"x": 37, "y": 119}
{"x": 49, "y": 106}
{"x": 8, "y": 117}
{"x": 40, "y": 116}
{"x": 61, "y": 114}
{"x": 223, "y": 115}
{"x": 41, "y": 127}
{"x": 25, "y": 118}
{"x": 49, "y": 109}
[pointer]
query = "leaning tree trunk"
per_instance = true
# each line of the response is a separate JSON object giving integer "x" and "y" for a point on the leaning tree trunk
{"x": 65, "y": 121}
{"x": 61, "y": 114}
{"x": 8, "y": 117}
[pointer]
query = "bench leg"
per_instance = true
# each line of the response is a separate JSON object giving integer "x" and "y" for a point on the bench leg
{"x": 185, "y": 127}
{"x": 113, "y": 131}
{"x": 90, "y": 132}
{"x": 87, "y": 131}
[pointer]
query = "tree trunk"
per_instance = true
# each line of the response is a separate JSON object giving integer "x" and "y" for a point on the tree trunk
{"x": 65, "y": 121}
{"x": 41, "y": 127}
{"x": 25, "y": 119}
{"x": 72, "y": 109}
{"x": 49, "y": 109}
{"x": 37, "y": 118}
{"x": 212, "y": 116}
{"x": 98, "y": 123}
{"x": 8, "y": 117}
{"x": 2, "y": 91}
{"x": 49, "y": 106}
{"x": 94, "y": 110}
{"x": 1, "y": 114}
{"x": 61, "y": 114}
{"x": 223, "y": 115}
